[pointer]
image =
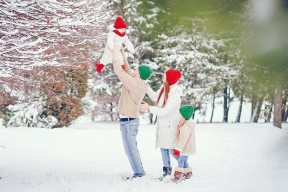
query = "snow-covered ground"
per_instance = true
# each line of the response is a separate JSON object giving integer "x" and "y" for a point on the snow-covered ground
{"x": 89, "y": 157}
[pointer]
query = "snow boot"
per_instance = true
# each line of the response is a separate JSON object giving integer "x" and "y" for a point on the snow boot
{"x": 187, "y": 173}
{"x": 99, "y": 67}
{"x": 166, "y": 171}
{"x": 136, "y": 176}
{"x": 178, "y": 174}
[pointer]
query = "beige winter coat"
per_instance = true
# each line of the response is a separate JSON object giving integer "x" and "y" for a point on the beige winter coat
{"x": 186, "y": 143}
{"x": 132, "y": 91}
{"x": 167, "y": 116}
{"x": 115, "y": 40}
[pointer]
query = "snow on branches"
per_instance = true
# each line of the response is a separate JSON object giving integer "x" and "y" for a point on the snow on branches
{"x": 47, "y": 33}
{"x": 41, "y": 42}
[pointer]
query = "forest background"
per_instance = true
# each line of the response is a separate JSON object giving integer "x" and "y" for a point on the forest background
{"x": 228, "y": 52}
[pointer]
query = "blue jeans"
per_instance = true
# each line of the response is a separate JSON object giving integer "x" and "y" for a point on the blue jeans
{"x": 166, "y": 156}
{"x": 182, "y": 160}
{"x": 129, "y": 131}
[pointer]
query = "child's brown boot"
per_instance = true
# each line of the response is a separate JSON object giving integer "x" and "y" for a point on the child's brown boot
{"x": 178, "y": 174}
{"x": 187, "y": 173}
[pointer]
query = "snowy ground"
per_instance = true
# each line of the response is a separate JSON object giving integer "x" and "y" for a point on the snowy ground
{"x": 89, "y": 157}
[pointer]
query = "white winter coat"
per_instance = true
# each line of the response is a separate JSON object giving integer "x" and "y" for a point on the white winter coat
{"x": 114, "y": 39}
{"x": 167, "y": 117}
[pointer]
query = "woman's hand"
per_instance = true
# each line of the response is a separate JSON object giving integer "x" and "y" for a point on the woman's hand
{"x": 143, "y": 105}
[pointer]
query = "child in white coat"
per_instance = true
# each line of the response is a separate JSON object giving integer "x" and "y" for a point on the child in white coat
{"x": 116, "y": 37}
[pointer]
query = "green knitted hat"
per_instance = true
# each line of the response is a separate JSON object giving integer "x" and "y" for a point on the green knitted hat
{"x": 144, "y": 72}
{"x": 186, "y": 111}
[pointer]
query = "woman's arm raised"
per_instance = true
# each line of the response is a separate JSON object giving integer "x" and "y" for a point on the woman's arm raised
{"x": 152, "y": 94}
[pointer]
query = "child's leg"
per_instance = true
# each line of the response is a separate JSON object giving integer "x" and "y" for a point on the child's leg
{"x": 106, "y": 58}
{"x": 175, "y": 157}
{"x": 182, "y": 162}
{"x": 187, "y": 170}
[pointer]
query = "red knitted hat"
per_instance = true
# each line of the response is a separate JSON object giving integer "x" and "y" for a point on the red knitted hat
{"x": 172, "y": 76}
{"x": 119, "y": 23}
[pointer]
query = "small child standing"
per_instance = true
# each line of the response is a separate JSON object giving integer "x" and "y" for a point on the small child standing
{"x": 115, "y": 37}
{"x": 185, "y": 143}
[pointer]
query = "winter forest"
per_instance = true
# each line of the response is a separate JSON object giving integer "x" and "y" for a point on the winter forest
{"x": 229, "y": 53}
{"x": 60, "y": 125}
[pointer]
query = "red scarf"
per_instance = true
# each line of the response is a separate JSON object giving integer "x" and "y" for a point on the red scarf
{"x": 120, "y": 34}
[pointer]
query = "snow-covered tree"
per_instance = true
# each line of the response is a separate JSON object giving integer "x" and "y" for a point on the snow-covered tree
{"x": 39, "y": 38}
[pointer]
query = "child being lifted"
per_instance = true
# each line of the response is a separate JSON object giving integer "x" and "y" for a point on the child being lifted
{"x": 115, "y": 37}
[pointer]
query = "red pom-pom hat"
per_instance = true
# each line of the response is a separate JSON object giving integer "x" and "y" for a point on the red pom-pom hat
{"x": 119, "y": 23}
{"x": 172, "y": 76}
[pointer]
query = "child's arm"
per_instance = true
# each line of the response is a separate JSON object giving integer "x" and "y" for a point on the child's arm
{"x": 129, "y": 45}
{"x": 110, "y": 40}
{"x": 185, "y": 132}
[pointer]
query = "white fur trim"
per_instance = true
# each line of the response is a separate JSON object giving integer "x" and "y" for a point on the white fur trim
{"x": 187, "y": 170}
{"x": 179, "y": 169}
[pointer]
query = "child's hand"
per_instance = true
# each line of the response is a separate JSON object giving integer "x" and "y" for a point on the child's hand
{"x": 176, "y": 152}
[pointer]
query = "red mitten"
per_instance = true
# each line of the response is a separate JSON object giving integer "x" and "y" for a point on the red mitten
{"x": 176, "y": 152}
{"x": 99, "y": 67}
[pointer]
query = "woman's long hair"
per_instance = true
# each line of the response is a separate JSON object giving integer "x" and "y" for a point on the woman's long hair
{"x": 166, "y": 90}
{"x": 181, "y": 123}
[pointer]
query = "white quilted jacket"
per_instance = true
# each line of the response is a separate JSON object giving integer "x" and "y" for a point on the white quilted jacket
{"x": 167, "y": 117}
{"x": 114, "y": 39}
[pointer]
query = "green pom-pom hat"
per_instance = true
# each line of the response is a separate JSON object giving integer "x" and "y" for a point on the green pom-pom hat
{"x": 186, "y": 111}
{"x": 145, "y": 72}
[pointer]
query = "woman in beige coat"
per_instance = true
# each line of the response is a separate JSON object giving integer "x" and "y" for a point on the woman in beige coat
{"x": 185, "y": 144}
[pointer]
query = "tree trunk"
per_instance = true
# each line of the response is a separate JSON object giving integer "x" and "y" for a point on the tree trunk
{"x": 269, "y": 114}
{"x": 151, "y": 118}
{"x": 155, "y": 120}
{"x": 286, "y": 115}
{"x": 213, "y": 107}
{"x": 257, "y": 110}
{"x": 225, "y": 116}
{"x": 253, "y": 101}
{"x": 277, "y": 122}
{"x": 283, "y": 107}
{"x": 239, "y": 110}
{"x": 111, "y": 111}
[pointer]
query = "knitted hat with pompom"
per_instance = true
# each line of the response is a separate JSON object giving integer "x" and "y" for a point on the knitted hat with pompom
{"x": 186, "y": 111}
{"x": 145, "y": 72}
{"x": 172, "y": 76}
{"x": 119, "y": 23}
